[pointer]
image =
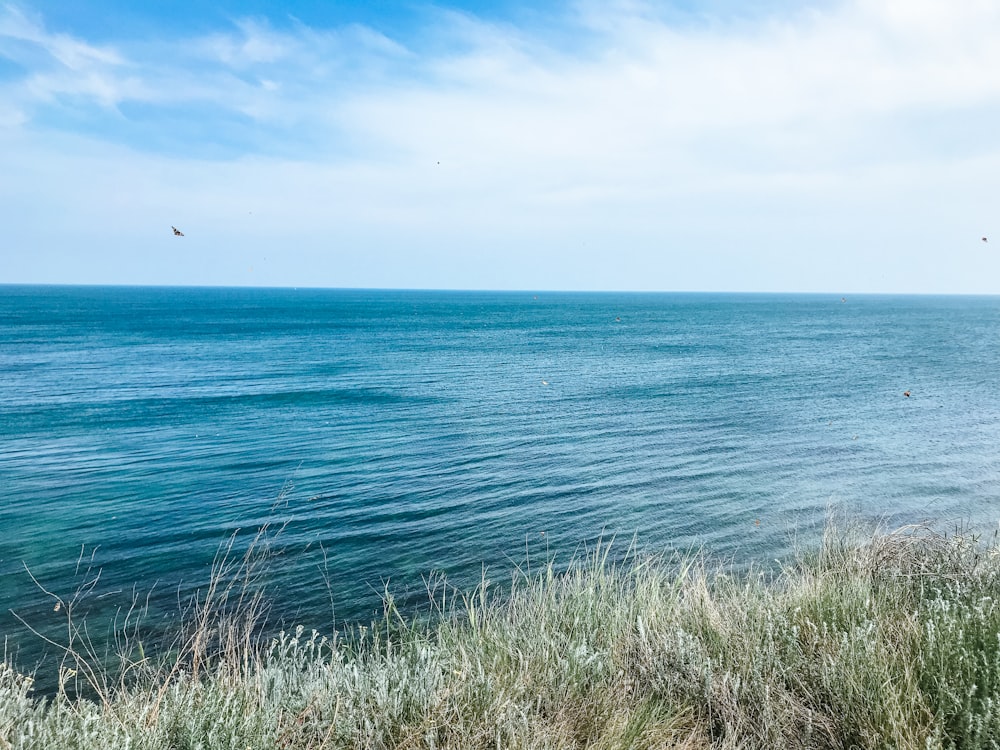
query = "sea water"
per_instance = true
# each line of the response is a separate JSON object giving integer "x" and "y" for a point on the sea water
{"x": 391, "y": 434}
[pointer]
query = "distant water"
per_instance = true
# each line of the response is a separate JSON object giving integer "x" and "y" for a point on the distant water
{"x": 399, "y": 433}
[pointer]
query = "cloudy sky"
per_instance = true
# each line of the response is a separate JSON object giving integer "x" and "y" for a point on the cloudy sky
{"x": 831, "y": 146}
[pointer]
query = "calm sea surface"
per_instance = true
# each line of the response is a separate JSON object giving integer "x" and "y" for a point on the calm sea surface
{"x": 399, "y": 433}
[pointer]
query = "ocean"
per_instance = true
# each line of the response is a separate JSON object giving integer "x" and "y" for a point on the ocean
{"x": 385, "y": 436}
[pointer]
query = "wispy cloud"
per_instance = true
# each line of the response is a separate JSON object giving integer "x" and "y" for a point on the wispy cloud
{"x": 59, "y": 66}
{"x": 641, "y": 82}
{"x": 16, "y": 25}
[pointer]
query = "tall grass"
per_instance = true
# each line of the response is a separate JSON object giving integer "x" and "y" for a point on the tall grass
{"x": 887, "y": 641}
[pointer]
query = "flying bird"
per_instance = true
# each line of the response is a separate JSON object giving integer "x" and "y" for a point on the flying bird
{"x": 985, "y": 240}
{"x": 906, "y": 393}
{"x": 177, "y": 232}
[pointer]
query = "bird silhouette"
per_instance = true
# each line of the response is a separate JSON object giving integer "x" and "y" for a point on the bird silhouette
{"x": 177, "y": 232}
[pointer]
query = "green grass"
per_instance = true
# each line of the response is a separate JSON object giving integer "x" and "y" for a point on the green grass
{"x": 889, "y": 641}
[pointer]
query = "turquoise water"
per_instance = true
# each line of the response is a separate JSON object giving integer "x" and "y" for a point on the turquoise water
{"x": 398, "y": 433}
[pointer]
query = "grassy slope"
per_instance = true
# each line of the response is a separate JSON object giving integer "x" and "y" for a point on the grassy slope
{"x": 891, "y": 642}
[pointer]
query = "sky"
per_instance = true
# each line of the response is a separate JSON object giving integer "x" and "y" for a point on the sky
{"x": 836, "y": 146}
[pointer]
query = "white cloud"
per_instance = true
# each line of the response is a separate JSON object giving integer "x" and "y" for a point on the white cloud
{"x": 61, "y": 66}
{"x": 256, "y": 43}
{"x": 74, "y": 54}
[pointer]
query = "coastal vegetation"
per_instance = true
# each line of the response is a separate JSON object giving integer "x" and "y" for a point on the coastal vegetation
{"x": 880, "y": 640}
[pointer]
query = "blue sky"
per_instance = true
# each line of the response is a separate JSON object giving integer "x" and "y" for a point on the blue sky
{"x": 836, "y": 146}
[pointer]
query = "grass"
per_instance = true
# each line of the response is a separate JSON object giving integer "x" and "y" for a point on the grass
{"x": 887, "y": 641}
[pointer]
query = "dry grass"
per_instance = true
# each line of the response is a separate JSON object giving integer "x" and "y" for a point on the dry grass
{"x": 885, "y": 641}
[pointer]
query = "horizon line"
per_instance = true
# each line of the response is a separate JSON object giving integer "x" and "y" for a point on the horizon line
{"x": 457, "y": 290}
